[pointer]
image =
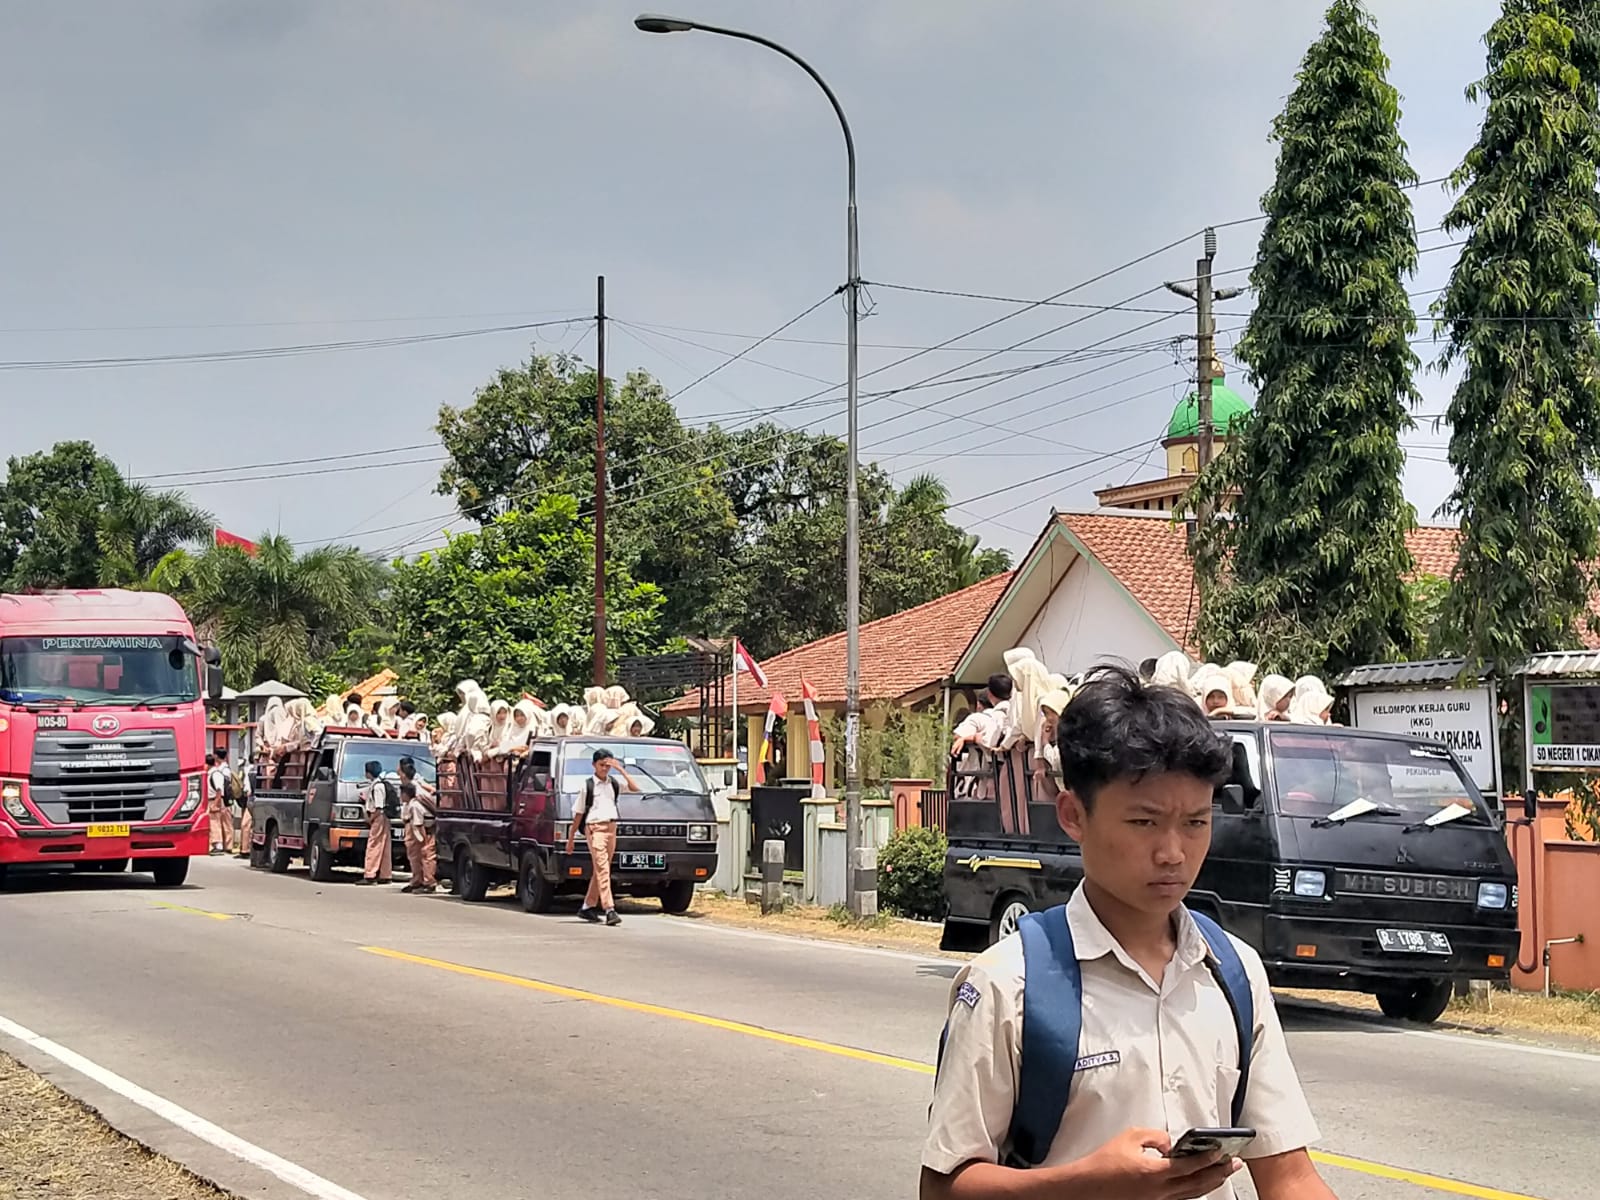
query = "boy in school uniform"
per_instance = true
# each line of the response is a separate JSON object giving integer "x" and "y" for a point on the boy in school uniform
{"x": 1159, "y": 1046}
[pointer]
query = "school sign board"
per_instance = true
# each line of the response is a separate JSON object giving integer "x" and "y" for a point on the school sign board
{"x": 1564, "y": 726}
{"x": 1462, "y": 718}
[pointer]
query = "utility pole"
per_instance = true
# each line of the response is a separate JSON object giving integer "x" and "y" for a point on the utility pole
{"x": 1205, "y": 355}
{"x": 600, "y": 483}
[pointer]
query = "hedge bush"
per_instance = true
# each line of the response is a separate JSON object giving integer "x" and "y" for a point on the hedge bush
{"x": 911, "y": 873}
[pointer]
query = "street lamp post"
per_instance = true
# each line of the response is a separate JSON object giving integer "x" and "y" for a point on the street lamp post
{"x": 860, "y": 860}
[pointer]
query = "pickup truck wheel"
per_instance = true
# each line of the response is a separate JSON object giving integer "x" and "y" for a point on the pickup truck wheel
{"x": 319, "y": 858}
{"x": 1008, "y": 910}
{"x": 258, "y": 856}
{"x": 1420, "y": 1000}
{"x": 472, "y": 885}
{"x": 677, "y": 896}
{"x": 277, "y": 856}
{"x": 534, "y": 892}
{"x": 171, "y": 872}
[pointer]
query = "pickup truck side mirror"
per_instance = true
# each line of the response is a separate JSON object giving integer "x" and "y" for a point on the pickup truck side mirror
{"x": 1231, "y": 796}
{"x": 540, "y": 781}
{"x": 323, "y": 774}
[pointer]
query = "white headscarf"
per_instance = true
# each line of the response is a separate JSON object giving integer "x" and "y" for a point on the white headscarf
{"x": 499, "y": 725}
{"x": 1030, "y": 681}
{"x": 516, "y": 735}
{"x": 444, "y": 734}
{"x": 1242, "y": 675}
{"x": 1275, "y": 689}
{"x": 476, "y": 728}
{"x": 1311, "y": 701}
{"x": 1209, "y": 680}
{"x": 303, "y": 726}
{"x": 1172, "y": 670}
{"x": 273, "y": 724}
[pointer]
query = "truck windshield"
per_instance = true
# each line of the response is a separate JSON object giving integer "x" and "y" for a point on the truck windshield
{"x": 358, "y": 754}
{"x": 1319, "y": 773}
{"x": 655, "y": 766}
{"x": 116, "y": 668}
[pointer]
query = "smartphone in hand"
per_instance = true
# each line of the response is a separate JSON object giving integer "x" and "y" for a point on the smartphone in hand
{"x": 1210, "y": 1141}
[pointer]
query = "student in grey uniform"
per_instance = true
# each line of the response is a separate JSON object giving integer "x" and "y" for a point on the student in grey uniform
{"x": 1159, "y": 1042}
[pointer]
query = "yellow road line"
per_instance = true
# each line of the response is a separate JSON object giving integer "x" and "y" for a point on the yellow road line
{"x": 1365, "y": 1167}
{"x": 194, "y": 912}
{"x": 1420, "y": 1178}
{"x": 657, "y": 1010}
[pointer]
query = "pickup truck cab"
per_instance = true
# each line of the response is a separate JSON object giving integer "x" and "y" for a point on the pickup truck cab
{"x": 1348, "y": 859}
{"x": 503, "y": 822}
{"x": 308, "y": 804}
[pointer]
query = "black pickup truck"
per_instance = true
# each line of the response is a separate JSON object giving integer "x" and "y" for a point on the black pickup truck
{"x": 1349, "y": 860}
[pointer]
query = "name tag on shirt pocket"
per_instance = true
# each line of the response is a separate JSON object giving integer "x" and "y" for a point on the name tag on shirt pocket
{"x": 1106, "y": 1058}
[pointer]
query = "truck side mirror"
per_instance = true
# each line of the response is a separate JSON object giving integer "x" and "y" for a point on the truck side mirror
{"x": 1231, "y": 796}
{"x": 323, "y": 774}
{"x": 541, "y": 782}
{"x": 212, "y": 655}
{"x": 213, "y": 682}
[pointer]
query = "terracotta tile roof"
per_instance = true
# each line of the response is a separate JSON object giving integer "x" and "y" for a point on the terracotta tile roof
{"x": 373, "y": 684}
{"x": 899, "y": 654}
{"x": 1148, "y": 556}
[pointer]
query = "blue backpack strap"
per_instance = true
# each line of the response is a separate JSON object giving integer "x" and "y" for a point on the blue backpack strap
{"x": 1052, "y": 1019}
{"x": 1228, "y": 968}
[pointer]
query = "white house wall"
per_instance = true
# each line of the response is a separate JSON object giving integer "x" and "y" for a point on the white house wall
{"x": 1088, "y": 619}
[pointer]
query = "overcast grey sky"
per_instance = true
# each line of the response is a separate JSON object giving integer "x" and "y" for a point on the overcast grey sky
{"x": 187, "y": 177}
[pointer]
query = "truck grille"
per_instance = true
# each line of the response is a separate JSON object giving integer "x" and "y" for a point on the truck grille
{"x": 79, "y": 779}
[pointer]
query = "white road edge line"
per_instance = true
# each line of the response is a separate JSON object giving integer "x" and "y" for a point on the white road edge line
{"x": 291, "y": 1173}
{"x": 1518, "y": 1047}
{"x": 804, "y": 942}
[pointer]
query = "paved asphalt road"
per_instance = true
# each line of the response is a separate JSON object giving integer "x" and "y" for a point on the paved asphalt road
{"x": 416, "y": 1047}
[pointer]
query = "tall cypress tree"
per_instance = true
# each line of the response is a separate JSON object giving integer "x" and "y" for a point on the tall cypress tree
{"x": 1519, "y": 312}
{"x": 1309, "y": 572}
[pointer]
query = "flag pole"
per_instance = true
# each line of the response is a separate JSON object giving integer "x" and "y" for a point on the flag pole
{"x": 735, "y": 664}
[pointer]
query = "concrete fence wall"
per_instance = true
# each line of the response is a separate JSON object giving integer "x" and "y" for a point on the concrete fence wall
{"x": 824, "y": 873}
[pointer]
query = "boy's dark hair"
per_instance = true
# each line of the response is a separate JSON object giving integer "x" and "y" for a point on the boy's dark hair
{"x": 1118, "y": 727}
{"x": 1000, "y": 686}
{"x": 1147, "y": 669}
{"x": 211, "y": 760}
{"x": 353, "y": 698}
{"x": 408, "y": 789}
{"x": 407, "y": 709}
{"x": 374, "y": 768}
{"x": 408, "y": 765}
{"x": 601, "y": 755}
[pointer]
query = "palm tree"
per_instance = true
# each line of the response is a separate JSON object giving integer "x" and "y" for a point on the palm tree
{"x": 274, "y": 613}
{"x": 138, "y": 527}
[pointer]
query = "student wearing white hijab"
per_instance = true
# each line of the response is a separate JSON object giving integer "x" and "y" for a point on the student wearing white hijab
{"x": 1242, "y": 675}
{"x": 1311, "y": 703}
{"x": 1276, "y": 693}
{"x": 499, "y": 727}
{"x": 303, "y": 726}
{"x": 1214, "y": 690}
{"x": 271, "y": 727}
{"x": 476, "y": 727}
{"x": 520, "y": 730}
{"x": 1172, "y": 670}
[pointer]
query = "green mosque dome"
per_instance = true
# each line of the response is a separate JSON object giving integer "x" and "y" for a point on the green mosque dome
{"x": 1226, "y": 405}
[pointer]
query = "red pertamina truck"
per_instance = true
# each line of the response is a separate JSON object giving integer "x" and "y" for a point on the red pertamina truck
{"x": 102, "y": 733}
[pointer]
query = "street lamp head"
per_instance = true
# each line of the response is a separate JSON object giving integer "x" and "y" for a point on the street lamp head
{"x": 656, "y": 23}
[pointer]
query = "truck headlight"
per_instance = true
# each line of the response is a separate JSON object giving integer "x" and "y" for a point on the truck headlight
{"x": 191, "y": 796}
{"x": 700, "y": 833}
{"x": 11, "y": 800}
{"x": 347, "y": 812}
{"x": 1310, "y": 885}
{"x": 1493, "y": 895}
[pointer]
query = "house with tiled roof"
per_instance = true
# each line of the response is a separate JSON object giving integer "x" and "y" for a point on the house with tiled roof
{"x": 906, "y": 661}
{"x": 1116, "y": 584}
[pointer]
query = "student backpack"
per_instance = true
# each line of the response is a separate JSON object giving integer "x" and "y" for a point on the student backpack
{"x": 1052, "y": 1020}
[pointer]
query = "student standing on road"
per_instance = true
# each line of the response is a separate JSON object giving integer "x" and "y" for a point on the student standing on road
{"x": 1158, "y": 1042}
{"x": 217, "y": 805}
{"x": 242, "y": 797}
{"x": 380, "y": 855}
{"x": 596, "y": 813}
{"x": 420, "y": 850}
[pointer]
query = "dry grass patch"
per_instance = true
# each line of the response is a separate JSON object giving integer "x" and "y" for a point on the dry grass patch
{"x": 833, "y": 925}
{"x": 1568, "y": 1015}
{"x": 58, "y": 1149}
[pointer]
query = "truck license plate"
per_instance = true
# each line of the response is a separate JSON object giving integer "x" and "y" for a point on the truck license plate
{"x": 1413, "y": 941}
{"x": 108, "y": 831}
{"x": 634, "y": 861}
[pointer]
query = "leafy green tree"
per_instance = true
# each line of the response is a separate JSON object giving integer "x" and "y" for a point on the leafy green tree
{"x": 274, "y": 614}
{"x": 1519, "y": 312}
{"x": 741, "y": 530}
{"x": 69, "y": 519}
{"x": 512, "y": 607}
{"x": 1309, "y": 572}
{"x": 530, "y": 433}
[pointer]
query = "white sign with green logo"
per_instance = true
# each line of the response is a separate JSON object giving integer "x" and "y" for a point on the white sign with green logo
{"x": 1564, "y": 726}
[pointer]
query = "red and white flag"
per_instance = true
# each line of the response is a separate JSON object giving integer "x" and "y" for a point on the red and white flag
{"x": 743, "y": 660}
